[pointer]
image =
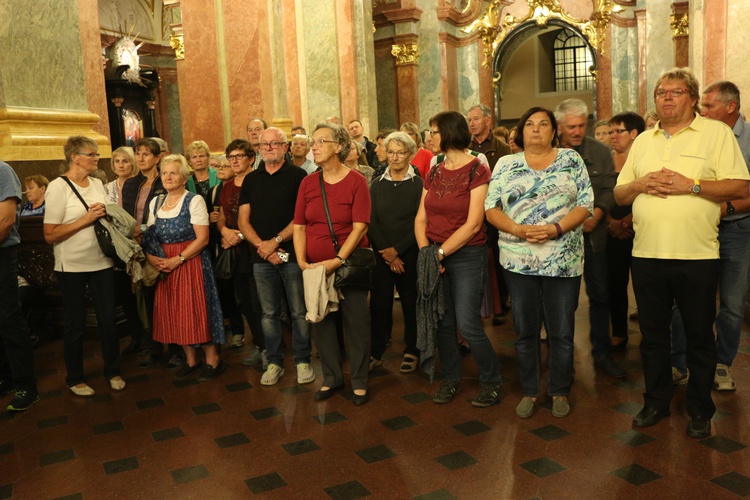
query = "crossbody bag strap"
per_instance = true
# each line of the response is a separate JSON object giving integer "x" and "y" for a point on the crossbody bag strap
{"x": 70, "y": 183}
{"x": 328, "y": 214}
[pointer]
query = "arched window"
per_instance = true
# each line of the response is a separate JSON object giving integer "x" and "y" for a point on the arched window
{"x": 572, "y": 62}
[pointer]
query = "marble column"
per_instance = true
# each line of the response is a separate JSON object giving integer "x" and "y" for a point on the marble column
{"x": 406, "y": 52}
{"x": 680, "y": 33}
{"x": 645, "y": 101}
{"x": 714, "y": 40}
{"x": 198, "y": 74}
{"x": 604, "y": 78}
{"x": 54, "y": 85}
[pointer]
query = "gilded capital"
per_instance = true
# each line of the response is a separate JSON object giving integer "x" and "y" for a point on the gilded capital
{"x": 117, "y": 101}
{"x": 680, "y": 25}
{"x": 407, "y": 53}
{"x": 177, "y": 43}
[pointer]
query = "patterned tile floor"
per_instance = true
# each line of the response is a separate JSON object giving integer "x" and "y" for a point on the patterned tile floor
{"x": 233, "y": 438}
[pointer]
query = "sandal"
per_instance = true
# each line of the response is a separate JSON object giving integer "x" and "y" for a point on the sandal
{"x": 409, "y": 364}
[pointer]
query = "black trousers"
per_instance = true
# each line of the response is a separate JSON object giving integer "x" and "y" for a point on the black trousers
{"x": 73, "y": 289}
{"x": 16, "y": 349}
{"x": 618, "y": 274}
{"x": 126, "y": 298}
{"x": 381, "y": 303}
{"x": 249, "y": 304}
{"x": 691, "y": 284}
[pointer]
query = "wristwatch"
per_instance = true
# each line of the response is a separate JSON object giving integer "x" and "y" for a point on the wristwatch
{"x": 441, "y": 252}
{"x": 241, "y": 236}
{"x": 730, "y": 208}
{"x": 278, "y": 238}
{"x": 696, "y": 186}
{"x": 182, "y": 258}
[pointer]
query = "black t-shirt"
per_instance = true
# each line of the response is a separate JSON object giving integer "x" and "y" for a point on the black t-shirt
{"x": 272, "y": 199}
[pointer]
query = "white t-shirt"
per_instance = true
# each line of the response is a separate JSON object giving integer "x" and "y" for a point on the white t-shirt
{"x": 197, "y": 208}
{"x": 80, "y": 253}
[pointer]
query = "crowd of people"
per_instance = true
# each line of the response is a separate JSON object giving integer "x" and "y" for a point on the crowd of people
{"x": 460, "y": 220}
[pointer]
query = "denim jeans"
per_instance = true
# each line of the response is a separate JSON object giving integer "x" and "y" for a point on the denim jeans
{"x": 272, "y": 282}
{"x": 734, "y": 279}
{"x": 73, "y": 289}
{"x": 595, "y": 276}
{"x": 463, "y": 288}
{"x": 16, "y": 349}
{"x": 555, "y": 300}
{"x": 659, "y": 284}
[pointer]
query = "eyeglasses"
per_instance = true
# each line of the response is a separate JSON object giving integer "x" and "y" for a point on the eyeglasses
{"x": 272, "y": 144}
{"x": 321, "y": 142}
{"x": 617, "y": 131}
{"x": 661, "y": 93}
{"x": 90, "y": 155}
{"x": 433, "y": 132}
{"x": 237, "y": 157}
{"x": 396, "y": 153}
{"x": 223, "y": 167}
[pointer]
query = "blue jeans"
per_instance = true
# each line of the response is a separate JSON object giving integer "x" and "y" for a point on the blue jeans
{"x": 734, "y": 279}
{"x": 463, "y": 287}
{"x": 555, "y": 300}
{"x": 272, "y": 282}
{"x": 595, "y": 275}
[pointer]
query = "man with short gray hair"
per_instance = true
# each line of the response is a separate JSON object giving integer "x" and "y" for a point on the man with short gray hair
{"x": 572, "y": 121}
{"x": 254, "y": 128}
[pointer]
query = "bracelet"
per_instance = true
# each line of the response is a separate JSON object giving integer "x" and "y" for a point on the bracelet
{"x": 341, "y": 259}
{"x": 559, "y": 229}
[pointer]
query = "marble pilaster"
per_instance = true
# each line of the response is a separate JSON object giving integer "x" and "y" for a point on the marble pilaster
{"x": 715, "y": 43}
{"x": 738, "y": 19}
{"x": 346, "y": 45}
{"x": 198, "y": 73}
{"x": 624, "y": 69}
{"x": 96, "y": 93}
{"x": 660, "y": 53}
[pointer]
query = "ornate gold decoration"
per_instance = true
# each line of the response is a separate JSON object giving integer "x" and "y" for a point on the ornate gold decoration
{"x": 492, "y": 32}
{"x": 178, "y": 44}
{"x": 680, "y": 25}
{"x": 407, "y": 53}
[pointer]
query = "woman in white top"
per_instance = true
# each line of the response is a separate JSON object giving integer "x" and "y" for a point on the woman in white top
{"x": 187, "y": 311}
{"x": 79, "y": 262}
{"x": 123, "y": 165}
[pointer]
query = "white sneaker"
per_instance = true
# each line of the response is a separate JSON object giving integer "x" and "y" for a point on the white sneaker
{"x": 272, "y": 375}
{"x": 238, "y": 340}
{"x": 305, "y": 373}
{"x": 723, "y": 380}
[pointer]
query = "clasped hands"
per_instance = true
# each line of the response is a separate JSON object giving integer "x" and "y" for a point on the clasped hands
{"x": 534, "y": 233}
{"x": 390, "y": 256}
{"x": 664, "y": 182}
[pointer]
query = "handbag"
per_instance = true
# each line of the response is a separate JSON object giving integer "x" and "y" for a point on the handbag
{"x": 356, "y": 271}
{"x": 224, "y": 265}
{"x": 102, "y": 233}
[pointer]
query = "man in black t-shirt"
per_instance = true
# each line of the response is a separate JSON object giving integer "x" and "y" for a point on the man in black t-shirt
{"x": 267, "y": 202}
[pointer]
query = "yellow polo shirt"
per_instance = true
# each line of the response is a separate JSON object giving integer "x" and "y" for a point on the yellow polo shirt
{"x": 681, "y": 227}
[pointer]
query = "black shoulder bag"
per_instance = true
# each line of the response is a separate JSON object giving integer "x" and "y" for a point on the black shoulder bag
{"x": 102, "y": 234}
{"x": 356, "y": 271}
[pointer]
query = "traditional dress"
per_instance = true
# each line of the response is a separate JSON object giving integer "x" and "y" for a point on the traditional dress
{"x": 186, "y": 305}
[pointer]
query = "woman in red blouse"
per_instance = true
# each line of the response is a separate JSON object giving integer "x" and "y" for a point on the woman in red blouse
{"x": 349, "y": 206}
{"x": 451, "y": 216}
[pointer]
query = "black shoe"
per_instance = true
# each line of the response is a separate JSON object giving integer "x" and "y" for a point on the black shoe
{"x": 498, "y": 319}
{"x": 699, "y": 427}
{"x": 322, "y": 395}
{"x": 23, "y": 400}
{"x": 210, "y": 373}
{"x": 489, "y": 394}
{"x": 463, "y": 347}
{"x": 447, "y": 390}
{"x": 6, "y": 387}
{"x": 187, "y": 370}
{"x": 174, "y": 361}
{"x": 610, "y": 368}
{"x": 133, "y": 347}
{"x": 359, "y": 400}
{"x": 149, "y": 362}
{"x": 649, "y": 416}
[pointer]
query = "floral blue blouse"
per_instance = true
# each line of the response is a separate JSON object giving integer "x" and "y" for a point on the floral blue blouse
{"x": 539, "y": 197}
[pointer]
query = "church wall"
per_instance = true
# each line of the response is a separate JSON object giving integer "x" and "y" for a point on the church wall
{"x": 429, "y": 68}
{"x": 660, "y": 48}
{"x": 737, "y": 40}
{"x": 468, "y": 81}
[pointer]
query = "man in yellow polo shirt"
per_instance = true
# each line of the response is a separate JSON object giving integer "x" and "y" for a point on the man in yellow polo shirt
{"x": 676, "y": 176}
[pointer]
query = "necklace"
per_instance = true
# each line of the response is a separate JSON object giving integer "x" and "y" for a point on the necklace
{"x": 171, "y": 206}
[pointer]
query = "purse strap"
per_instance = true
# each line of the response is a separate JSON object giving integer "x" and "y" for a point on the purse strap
{"x": 328, "y": 214}
{"x": 65, "y": 177}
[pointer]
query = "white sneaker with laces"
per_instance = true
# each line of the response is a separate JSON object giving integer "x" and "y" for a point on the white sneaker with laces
{"x": 238, "y": 340}
{"x": 272, "y": 375}
{"x": 305, "y": 373}
{"x": 723, "y": 380}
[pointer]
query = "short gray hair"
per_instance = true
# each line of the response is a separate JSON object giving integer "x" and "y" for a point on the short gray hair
{"x": 307, "y": 139}
{"x": 181, "y": 161}
{"x": 484, "y": 109}
{"x": 338, "y": 134}
{"x": 403, "y": 139}
{"x": 726, "y": 91}
{"x": 573, "y": 107}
